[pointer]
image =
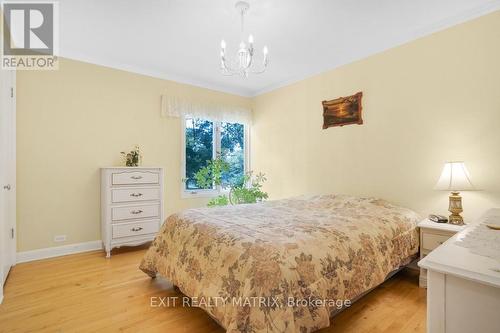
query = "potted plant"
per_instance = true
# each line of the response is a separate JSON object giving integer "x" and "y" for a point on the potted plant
{"x": 133, "y": 158}
{"x": 247, "y": 189}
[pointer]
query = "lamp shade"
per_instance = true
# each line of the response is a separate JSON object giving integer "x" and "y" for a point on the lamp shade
{"x": 454, "y": 177}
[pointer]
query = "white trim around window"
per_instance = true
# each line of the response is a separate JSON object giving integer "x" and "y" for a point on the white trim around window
{"x": 209, "y": 193}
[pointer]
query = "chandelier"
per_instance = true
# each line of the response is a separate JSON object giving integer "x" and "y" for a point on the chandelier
{"x": 243, "y": 64}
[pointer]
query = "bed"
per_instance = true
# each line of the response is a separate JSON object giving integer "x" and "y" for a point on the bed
{"x": 286, "y": 265}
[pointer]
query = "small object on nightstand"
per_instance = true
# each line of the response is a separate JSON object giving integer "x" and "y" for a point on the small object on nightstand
{"x": 455, "y": 178}
{"x": 432, "y": 235}
{"x": 438, "y": 218}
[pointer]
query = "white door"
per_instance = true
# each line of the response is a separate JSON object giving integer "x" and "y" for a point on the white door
{"x": 7, "y": 174}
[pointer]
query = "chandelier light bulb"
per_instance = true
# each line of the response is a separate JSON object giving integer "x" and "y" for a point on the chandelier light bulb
{"x": 250, "y": 39}
{"x": 265, "y": 50}
{"x": 222, "y": 44}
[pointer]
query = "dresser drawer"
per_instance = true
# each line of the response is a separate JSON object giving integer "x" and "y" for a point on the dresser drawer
{"x": 135, "y": 229}
{"x": 134, "y": 194}
{"x": 135, "y": 177}
{"x": 135, "y": 212}
{"x": 431, "y": 241}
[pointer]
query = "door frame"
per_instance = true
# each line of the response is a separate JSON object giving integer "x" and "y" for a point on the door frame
{"x": 8, "y": 86}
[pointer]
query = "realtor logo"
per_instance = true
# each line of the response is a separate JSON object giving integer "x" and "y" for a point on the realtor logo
{"x": 30, "y": 35}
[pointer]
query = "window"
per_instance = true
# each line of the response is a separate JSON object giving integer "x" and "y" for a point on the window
{"x": 199, "y": 136}
{"x": 203, "y": 141}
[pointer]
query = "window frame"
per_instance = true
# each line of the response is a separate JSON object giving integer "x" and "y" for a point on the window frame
{"x": 210, "y": 193}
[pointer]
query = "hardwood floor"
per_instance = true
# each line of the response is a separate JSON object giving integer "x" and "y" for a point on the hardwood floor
{"x": 87, "y": 293}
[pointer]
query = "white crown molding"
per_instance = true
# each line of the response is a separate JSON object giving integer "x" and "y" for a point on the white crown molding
{"x": 161, "y": 75}
{"x": 407, "y": 38}
{"x": 250, "y": 93}
{"x": 51, "y": 252}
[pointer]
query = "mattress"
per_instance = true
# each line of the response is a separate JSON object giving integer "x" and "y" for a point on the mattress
{"x": 285, "y": 265}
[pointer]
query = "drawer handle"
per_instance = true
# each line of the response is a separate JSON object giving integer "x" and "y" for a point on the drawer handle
{"x": 136, "y": 229}
{"x": 136, "y": 195}
{"x": 136, "y": 177}
{"x": 135, "y": 212}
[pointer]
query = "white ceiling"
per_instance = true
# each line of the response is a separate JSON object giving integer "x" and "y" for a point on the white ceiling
{"x": 179, "y": 39}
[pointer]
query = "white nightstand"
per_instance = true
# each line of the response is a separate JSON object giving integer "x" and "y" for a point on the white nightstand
{"x": 432, "y": 235}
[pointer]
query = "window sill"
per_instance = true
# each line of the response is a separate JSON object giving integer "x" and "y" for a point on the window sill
{"x": 188, "y": 194}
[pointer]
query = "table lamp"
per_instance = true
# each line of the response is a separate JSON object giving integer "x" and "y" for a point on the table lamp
{"x": 455, "y": 178}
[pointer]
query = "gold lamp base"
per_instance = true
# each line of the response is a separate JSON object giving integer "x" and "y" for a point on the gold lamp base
{"x": 455, "y": 208}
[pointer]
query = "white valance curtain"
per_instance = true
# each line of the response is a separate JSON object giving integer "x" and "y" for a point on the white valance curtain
{"x": 172, "y": 106}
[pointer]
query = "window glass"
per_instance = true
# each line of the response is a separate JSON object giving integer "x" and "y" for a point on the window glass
{"x": 199, "y": 147}
{"x": 232, "y": 150}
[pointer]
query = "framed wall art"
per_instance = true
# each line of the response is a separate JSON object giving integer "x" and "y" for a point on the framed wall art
{"x": 343, "y": 111}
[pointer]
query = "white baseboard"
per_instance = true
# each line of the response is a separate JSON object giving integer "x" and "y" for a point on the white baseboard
{"x": 57, "y": 251}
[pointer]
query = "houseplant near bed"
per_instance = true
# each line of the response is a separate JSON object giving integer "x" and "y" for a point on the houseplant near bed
{"x": 246, "y": 189}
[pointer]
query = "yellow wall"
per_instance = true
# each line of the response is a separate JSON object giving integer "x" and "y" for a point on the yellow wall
{"x": 426, "y": 102}
{"x": 429, "y": 101}
{"x": 75, "y": 120}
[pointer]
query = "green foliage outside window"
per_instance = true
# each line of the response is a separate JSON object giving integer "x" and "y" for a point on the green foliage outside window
{"x": 199, "y": 147}
{"x": 232, "y": 150}
{"x": 246, "y": 189}
{"x": 227, "y": 170}
{"x": 201, "y": 144}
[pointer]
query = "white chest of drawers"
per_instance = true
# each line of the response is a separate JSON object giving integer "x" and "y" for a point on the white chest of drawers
{"x": 131, "y": 205}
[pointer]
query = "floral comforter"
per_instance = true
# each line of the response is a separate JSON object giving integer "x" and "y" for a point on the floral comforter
{"x": 285, "y": 265}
